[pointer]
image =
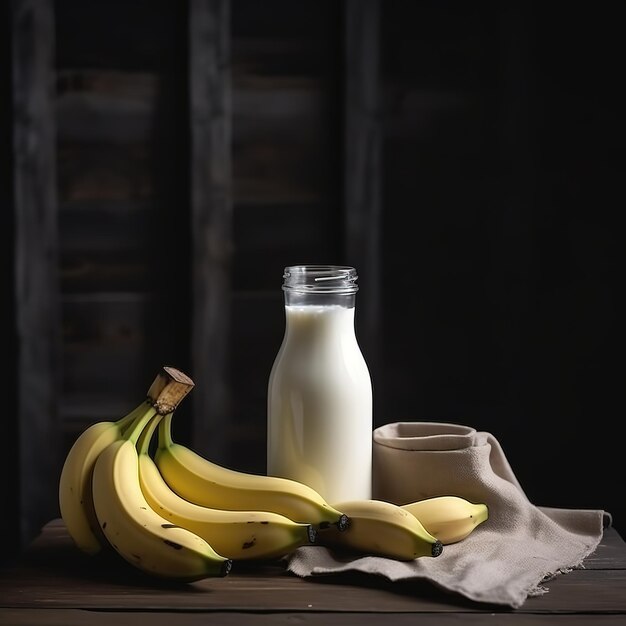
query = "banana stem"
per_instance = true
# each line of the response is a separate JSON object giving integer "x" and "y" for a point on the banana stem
{"x": 124, "y": 422}
{"x": 168, "y": 389}
{"x": 166, "y": 392}
{"x": 143, "y": 443}
{"x": 165, "y": 431}
{"x": 134, "y": 430}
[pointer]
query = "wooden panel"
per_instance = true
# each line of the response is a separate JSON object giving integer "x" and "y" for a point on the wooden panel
{"x": 108, "y": 106}
{"x": 104, "y": 171}
{"x": 54, "y": 574}
{"x": 35, "y": 260}
{"x": 442, "y": 194}
{"x": 118, "y": 34}
{"x": 281, "y": 143}
{"x": 103, "y": 340}
{"x": 269, "y": 237}
{"x": 286, "y": 138}
{"x": 105, "y": 368}
{"x": 362, "y": 177}
{"x": 286, "y": 182}
{"x": 104, "y": 319}
{"x": 258, "y": 325}
{"x": 211, "y": 217}
{"x": 285, "y": 146}
{"x": 9, "y": 523}
{"x": 106, "y": 246}
{"x": 68, "y": 617}
{"x": 452, "y": 124}
{"x": 121, "y": 109}
{"x": 448, "y": 50}
{"x": 283, "y": 38}
{"x": 82, "y": 271}
{"x": 93, "y": 227}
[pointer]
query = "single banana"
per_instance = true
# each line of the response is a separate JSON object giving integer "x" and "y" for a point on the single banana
{"x": 138, "y": 533}
{"x": 383, "y": 529}
{"x": 209, "y": 484}
{"x": 449, "y": 518}
{"x": 238, "y": 535}
{"x": 75, "y": 502}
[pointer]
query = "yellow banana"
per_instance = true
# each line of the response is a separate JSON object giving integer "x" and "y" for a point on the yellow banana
{"x": 75, "y": 502}
{"x": 209, "y": 484}
{"x": 138, "y": 533}
{"x": 449, "y": 518}
{"x": 240, "y": 535}
{"x": 382, "y": 529}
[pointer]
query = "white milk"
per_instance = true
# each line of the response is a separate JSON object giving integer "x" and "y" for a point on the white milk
{"x": 320, "y": 404}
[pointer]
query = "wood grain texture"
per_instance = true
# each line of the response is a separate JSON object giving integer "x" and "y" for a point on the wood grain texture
{"x": 363, "y": 173}
{"x": 211, "y": 220}
{"x": 36, "y": 251}
{"x": 78, "y": 617}
{"x": 54, "y": 575}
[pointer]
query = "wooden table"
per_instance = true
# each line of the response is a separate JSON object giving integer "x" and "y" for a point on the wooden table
{"x": 53, "y": 584}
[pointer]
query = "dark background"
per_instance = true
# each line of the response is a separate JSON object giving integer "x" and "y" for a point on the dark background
{"x": 482, "y": 218}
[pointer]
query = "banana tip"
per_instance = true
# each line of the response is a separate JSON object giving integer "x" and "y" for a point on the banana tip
{"x": 437, "y": 548}
{"x": 312, "y": 534}
{"x": 227, "y": 565}
{"x": 343, "y": 522}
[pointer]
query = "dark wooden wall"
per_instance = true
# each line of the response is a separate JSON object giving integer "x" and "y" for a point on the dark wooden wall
{"x": 502, "y": 151}
{"x": 9, "y": 484}
{"x": 169, "y": 159}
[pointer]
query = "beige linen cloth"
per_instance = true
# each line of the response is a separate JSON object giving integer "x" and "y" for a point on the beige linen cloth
{"x": 504, "y": 560}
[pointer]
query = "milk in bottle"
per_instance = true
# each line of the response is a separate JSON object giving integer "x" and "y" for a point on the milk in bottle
{"x": 319, "y": 422}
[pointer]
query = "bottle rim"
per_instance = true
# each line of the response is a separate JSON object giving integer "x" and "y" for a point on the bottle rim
{"x": 319, "y": 278}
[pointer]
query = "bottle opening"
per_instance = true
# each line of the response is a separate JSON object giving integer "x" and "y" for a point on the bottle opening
{"x": 320, "y": 279}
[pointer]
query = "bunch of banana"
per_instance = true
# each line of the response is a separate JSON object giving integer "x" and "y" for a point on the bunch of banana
{"x": 209, "y": 484}
{"x": 383, "y": 529}
{"x": 238, "y": 535}
{"x": 449, "y": 518}
{"x": 75, "y": 490}
{"x": 102, "y": 504}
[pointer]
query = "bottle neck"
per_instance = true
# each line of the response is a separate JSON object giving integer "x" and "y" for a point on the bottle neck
{"x": 320, "y": 324}
{"x": 320, "y": 302}
{"x": 311, "y": 298}
{"x": 320, "y": 285}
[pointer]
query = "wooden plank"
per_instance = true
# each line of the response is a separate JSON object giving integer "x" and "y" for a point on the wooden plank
{"x": 269, "y": 236}
{"x": 362, "y": 175}
{"x": 272, "y": 170}
{"x": 35, "y": 259}
{"x": 9, "y": 524}
{"x": 211, "y": 220}
{"x": 258, "y": 320}
{"x": 87, "y": 272}
{"x": 135, "y": 36}
{"x": 78, "y": 583}
{"x": 417, "y": 114}
{"x": 140, "y": 86}
{"x": 97, "y": 117}
{"x": 114, "y": 172}
{"x": 442, "y": 48}
{"x": 77, "y": 617}
{"x": 610, "y": 554}
{"x": 54, "y": 574}
{"x": 104, "y": 230}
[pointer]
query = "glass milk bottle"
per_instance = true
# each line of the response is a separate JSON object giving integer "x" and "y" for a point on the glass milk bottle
{"x": 319, "y": 411}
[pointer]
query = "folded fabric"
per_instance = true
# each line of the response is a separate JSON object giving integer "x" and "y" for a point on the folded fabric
{"x": 503, "y": 561}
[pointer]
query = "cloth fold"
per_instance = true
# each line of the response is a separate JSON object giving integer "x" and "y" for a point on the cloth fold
{"x": 503, "y": 561}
